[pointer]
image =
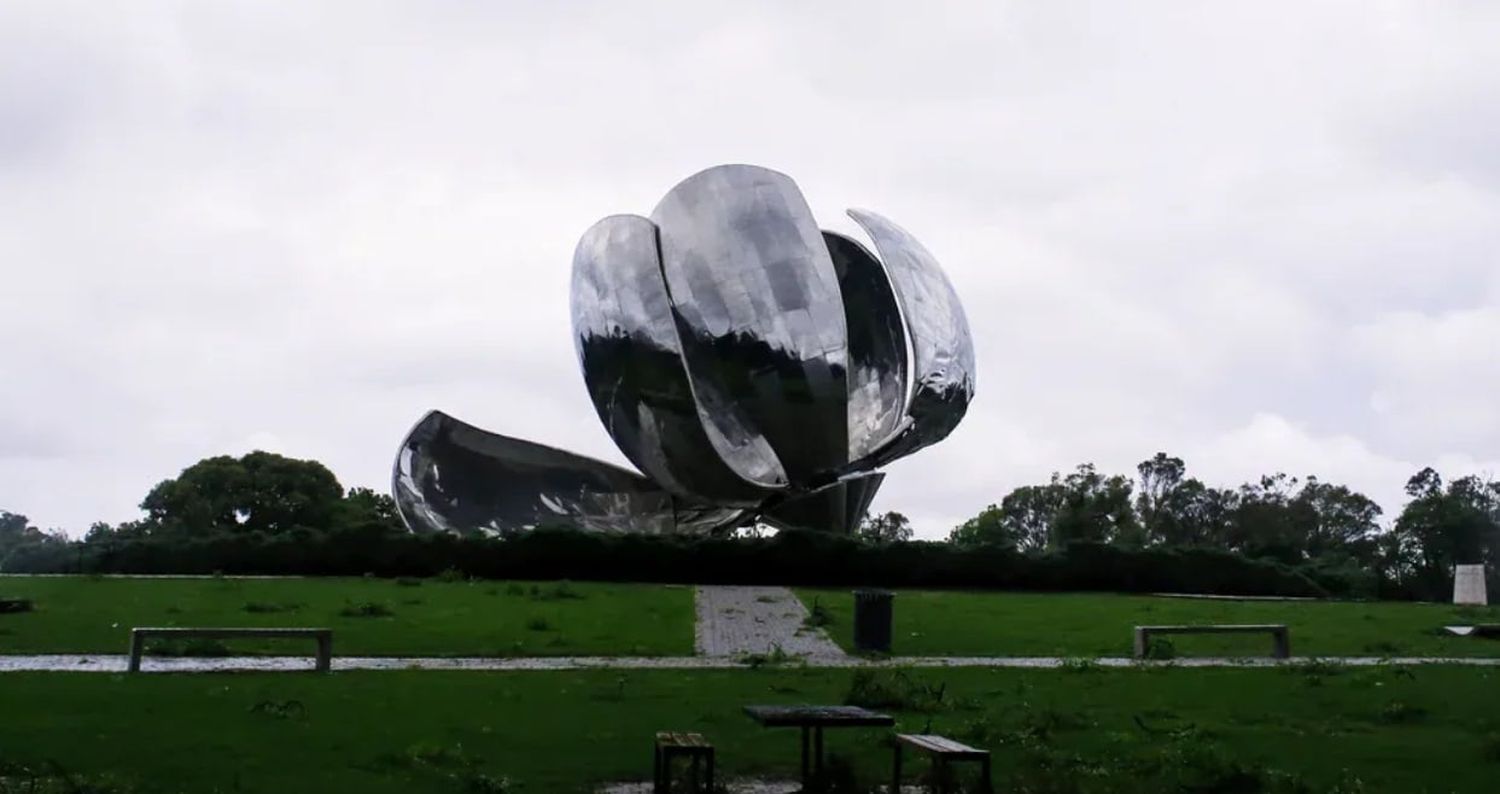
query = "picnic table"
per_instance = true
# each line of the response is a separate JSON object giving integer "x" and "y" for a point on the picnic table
{"x": 812, "y": 720}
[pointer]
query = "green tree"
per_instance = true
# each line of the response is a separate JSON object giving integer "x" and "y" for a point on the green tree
{"x": 1444, "y": 526}
{"x": 260, "y": 492}
{"x": 1095, "y": 509}
{"x": 989, "y": 528}
{"x": 884, "y": 528}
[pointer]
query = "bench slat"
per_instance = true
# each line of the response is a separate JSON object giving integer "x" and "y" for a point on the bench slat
{"x": 1212, "y": 629}
{"x": 939, "y": 745}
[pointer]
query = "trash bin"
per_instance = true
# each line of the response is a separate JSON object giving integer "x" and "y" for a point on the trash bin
{"x": 872, "y": 620}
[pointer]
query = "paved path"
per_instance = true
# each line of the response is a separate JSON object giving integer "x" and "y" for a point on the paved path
{"x": 108, "y": 663}
{"x": 736, "y": 621}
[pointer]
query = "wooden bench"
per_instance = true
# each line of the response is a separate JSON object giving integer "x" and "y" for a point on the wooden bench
{"x": 323, "y": 636}
{"x": 1278, "y": 631}
{"x": 691, "y": 746}
{"x": 942, "y": 750}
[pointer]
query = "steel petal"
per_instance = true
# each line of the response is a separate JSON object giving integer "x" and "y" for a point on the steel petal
{"x": 628, "y": 347}
{"x": 759, "y": 313}
{"x": 942, "y": 348}
{"x": 453, "y": 477}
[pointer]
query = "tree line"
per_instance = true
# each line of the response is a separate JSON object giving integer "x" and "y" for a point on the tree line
{"x": 1325, "y": 529}
{"x": 1327, "y": 532}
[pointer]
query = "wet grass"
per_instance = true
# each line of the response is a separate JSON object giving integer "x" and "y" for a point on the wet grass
{"x": 374, "y": 617}
{"x": 961, "y": 623}
{"x": 1313, "y": 729}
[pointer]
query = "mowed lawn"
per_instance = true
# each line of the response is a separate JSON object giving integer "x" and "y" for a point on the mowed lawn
{"x": 377, "y": 617}
{"x": 1082, "y": 729}
{"x": 962, "y": 623}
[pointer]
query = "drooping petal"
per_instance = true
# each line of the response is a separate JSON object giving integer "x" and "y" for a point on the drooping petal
{"x": 759, "y": 313}
{"x": 942, "y": 348}
{"x": 628, "y": 347}
{"x": 877, "y": 345}
{"x": 453, "y": 477}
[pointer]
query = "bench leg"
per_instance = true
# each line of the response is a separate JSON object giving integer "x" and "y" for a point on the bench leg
{"x": 710, "y": 775}
{"x": 325, "y": 654}
{"x": 1142, "y": 638}
{"x": 137, "y": 645}
{"x": 818, "y": 749}
{"x": 1283, "y": 644}
{"x": 806, "y": 766}
{"x": 657, "y": 787}
{"x": 896, "y": 769}
{"x": 986, "y": 784}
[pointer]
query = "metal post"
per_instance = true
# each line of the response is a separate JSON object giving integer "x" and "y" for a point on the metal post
{"x": 137, "y": 644}
{"x": 1142, "y": 637}
{"x": 325, "y": 652}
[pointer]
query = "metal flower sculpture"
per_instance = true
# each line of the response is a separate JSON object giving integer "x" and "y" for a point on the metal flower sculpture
{"x": 753, "y": 367}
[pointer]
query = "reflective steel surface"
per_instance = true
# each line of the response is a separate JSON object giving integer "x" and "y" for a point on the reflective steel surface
{"x": 835, "y": 508}
{"x": 454, "y": 477}
{"x": 751, "y": 366}
{"x": 942, "y": 349}
{"x": 877, "y": 345}
{"x": 758, "y": 309}
{"x": 627, "y": 346}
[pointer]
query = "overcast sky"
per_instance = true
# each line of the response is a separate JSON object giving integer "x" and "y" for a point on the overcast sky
{"x": 1261, "y": 237}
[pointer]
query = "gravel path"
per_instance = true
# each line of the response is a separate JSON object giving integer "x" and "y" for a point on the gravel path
{"x": 736, "y": 621}
{"x": 108, "y": 663}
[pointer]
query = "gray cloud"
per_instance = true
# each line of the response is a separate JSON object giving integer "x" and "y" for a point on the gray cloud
{"x": 1261, "y": 238}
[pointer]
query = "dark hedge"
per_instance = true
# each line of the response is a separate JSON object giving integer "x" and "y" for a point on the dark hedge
{"x": 787, "y": 558}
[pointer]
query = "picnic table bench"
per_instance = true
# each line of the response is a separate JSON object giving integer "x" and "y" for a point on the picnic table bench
{"x": 1278, "y": 631}
{"x": 324, "y": 638}
{"x": 689, "y": 745}
{"x": 14, "y": 605}
{"x": 942, "y": 750}
{"x": 812, "y": 720}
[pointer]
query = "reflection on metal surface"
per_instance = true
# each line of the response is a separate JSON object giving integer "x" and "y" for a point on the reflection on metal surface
{"x": 942, "y": 349}
{"x": 632, "y": 362}
{"x": 757, "y": 302}
{"x": 877, "y": 345}
{"x": 454, "y": 477}
{"x": 751, "y": 366}
{"x": 834, "y": 508}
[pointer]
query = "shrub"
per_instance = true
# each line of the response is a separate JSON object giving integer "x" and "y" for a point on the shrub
{"x": 366, "y": 609}
{"x": 1401, "y": 713}
{"x": 894, "y": 689}
{"x": 266, "y": 608}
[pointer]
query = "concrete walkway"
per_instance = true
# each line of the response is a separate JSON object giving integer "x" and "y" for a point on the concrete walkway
{"x": 739, "y": 621}
{"x": 108, "y": 663}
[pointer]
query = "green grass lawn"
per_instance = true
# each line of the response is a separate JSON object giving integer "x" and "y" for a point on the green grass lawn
{"x": 1083, "y": 729}
{"x": 939, "y": 623}
{"x": 378, "y": 617}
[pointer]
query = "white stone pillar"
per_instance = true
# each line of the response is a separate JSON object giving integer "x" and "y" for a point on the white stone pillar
{"x": 1468, "y": 585}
